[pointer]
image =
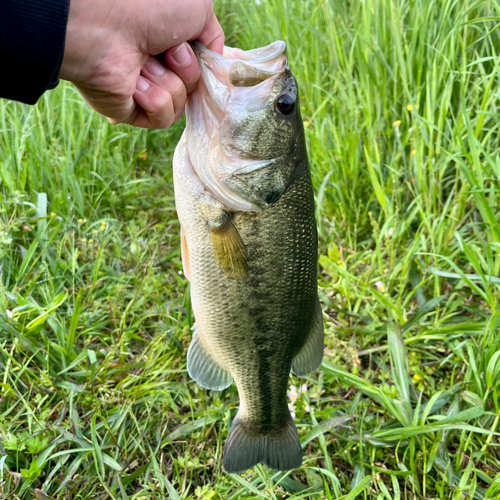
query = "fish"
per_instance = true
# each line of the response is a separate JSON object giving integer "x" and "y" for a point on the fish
{"x": 249, "y": 246}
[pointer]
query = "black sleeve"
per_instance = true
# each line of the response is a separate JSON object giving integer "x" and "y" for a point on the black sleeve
{"x": 32, "y": 34}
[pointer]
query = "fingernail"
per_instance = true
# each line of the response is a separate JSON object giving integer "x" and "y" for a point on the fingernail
{"x": 154, "y": 67}
{"x": 142, "y": 84}
{"x": 181, "y": 55}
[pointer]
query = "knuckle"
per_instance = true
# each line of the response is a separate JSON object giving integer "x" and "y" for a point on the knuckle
{"x": 123, "y": 117}
{"x": 163, "y": 120}
{"x": 180, "y": 113}
{"x": 164, "y": 101}
{"x": 178, "y": 88}
{"x": 163, "y": 116}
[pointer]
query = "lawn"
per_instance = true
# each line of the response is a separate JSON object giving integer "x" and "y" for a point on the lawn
{"x": 401, "y": 106}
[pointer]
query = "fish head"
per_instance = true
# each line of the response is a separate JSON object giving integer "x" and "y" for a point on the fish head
{"x": 244, "y": 121}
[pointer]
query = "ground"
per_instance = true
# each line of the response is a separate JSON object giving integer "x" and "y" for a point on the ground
{"x": 400, "y": 101}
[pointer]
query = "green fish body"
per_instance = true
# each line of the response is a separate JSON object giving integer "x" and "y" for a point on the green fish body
{"x": 249, "y": 245}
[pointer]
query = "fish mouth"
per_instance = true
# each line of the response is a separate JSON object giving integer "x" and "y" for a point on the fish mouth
{"x": 236, "y": 80}
{"x": 243, "y": 68}
{"x": 239, "y": 71}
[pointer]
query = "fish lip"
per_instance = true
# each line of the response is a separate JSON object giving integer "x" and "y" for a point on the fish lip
{"x": 269, "y": 52}
{"x": 199, "y": 49}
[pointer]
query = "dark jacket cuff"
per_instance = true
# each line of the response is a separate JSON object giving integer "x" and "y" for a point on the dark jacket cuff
{"x": 32, "y": 35}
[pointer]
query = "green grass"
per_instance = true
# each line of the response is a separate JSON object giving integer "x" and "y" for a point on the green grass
{"x": 401, "y": 104}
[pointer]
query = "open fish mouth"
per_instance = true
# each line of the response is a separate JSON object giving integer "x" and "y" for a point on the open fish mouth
{"x": 242, "y": 75}
{"x": 243, "y": 68}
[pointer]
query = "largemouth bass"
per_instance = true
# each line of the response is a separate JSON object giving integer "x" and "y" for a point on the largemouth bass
{"x": 245, "y": 203}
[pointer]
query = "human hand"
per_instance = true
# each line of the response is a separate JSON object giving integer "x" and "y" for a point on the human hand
{"x": 109, "y": 49}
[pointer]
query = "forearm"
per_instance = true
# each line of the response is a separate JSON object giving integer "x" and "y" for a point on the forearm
{"x": 32, "y": 35}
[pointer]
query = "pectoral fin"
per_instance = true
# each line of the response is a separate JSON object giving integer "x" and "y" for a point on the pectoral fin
{"x": 229, "y": 251}
{"x": 204, "y": 369}
{"x": 310, "y": 356}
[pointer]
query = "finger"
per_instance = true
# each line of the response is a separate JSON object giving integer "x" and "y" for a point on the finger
{"x": 183, "y": 62}
{"x": 117, "y": 108}
{"x": 179, "y": 114}
{"x": 170, "y": 22}
{"x": 155, "y": 106}
{"x": 212, "y": 36}
{"x": 157, "y": 73}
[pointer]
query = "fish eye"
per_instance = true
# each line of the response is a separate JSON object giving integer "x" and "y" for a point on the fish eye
{"x": 285, "y": 104}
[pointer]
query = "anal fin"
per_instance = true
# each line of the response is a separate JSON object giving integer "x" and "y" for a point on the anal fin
{"x": 204, "y": 369}
{"x": 310, "y": 356}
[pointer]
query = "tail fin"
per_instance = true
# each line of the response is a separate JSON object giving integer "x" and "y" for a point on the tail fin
{"x": 279, "y": 449}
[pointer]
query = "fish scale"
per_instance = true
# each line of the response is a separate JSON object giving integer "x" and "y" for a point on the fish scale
{"x": 253, "y": 272}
